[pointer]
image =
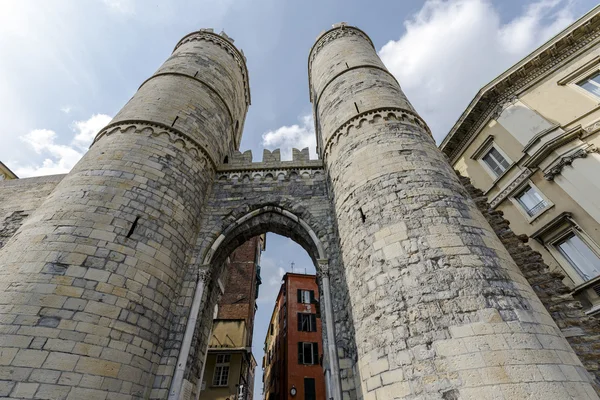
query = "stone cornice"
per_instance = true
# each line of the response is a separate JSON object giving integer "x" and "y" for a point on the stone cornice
{"x": 510, "y": 188}
{"x": 228, "y": 46}
{"x": 339, "y": 30}
{"x": 568, "y": 160}
{"x": 527, "y": 72}
{"x": 155, "y": 129}
{"x": 387, "y": 113}
{"x": 555, "y": 143}
{"x": 272, "y": 173}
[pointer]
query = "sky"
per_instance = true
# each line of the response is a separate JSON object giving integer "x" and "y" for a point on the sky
{"x": 67, "y": 67}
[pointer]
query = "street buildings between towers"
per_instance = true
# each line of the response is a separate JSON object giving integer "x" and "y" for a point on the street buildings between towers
{"x": 110, "y": 274}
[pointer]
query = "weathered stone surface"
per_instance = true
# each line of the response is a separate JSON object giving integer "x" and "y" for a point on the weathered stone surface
{"x": 581, "y": 331}
{"x": 434, "y": 294}
{"x": 98, "y": 268}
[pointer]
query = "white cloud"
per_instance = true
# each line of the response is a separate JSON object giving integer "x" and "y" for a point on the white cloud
{"x": 60, "y": 158}
{"x": 296, "y": 136}
{"x": 66, "y": 109}
{"x": 120, "y": 6}
{"x": 88, "y": 129}
{"x": 452, "y": 48}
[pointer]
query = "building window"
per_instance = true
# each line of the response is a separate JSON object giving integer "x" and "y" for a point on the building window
{"x": 591, "y": 84}
{"x": 495, "y": 161}
{"x": 531, "y": 201}
{"x": 579, "y": 255}
{"x": 306, "y": 296}
{"x": 307, "y": 322}
{"x": 221, "y": 375}
{"x": 308, "y": 353}
{"x": 310, "y": 389}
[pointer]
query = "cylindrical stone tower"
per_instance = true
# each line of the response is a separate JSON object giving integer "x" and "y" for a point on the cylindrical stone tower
{"x": 88, "y": 282}
{"x": 439, "y": 308}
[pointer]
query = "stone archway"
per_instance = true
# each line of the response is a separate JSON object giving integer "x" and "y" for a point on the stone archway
{"x": 249, "y": 199}
{"x": 277, "y": 220}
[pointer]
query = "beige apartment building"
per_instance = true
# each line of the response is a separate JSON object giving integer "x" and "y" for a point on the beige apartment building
{"x": 530, "y": 139}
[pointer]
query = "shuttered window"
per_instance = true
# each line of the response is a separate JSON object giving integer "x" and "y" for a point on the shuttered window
{"x": 307, "y": 322}
{"x": 308, "y": 353}
{"x": 306, "y": 296}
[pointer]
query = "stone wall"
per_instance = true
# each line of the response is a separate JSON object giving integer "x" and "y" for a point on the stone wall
{"x": 581, "y": 331}
{"x": 18, "y": 198}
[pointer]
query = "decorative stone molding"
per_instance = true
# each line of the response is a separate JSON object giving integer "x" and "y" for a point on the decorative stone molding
{"x": 157, "y": 129}
{"x": 240, "y": 167}
{"x": 546, "y": 60}
{"x": 204, "y": 274}
{"x": 592, "y": 127}
{"x": 226, "y": 44}
{"x": 323, "y": 268}
{"x": 568, "y": 160}
{"x": 374, "y": 116}
{"x": 271, "y": 174}
{"x": 510, "y": 188}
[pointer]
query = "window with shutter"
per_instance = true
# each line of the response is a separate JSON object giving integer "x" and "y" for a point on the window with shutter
{"x": 308, "y": 353}
{"x": 305, "y": 296}
{"x": 300, "y": 353}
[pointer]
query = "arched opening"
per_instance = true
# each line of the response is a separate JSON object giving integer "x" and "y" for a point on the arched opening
{"x": 286, "y": 295}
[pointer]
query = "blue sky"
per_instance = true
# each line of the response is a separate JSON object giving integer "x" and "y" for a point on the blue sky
{"x": 68, "y": 66}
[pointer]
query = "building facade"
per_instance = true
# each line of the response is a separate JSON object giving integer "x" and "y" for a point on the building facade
{"x": 6, "y": 173}
{"x": 110, "y": 274}
{"x": 293, "y": 358}
{"x": 230, "y": 365}
{"x": 530, "y": 141}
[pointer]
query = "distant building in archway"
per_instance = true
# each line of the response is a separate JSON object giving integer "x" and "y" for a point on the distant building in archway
{"x": 292, "y": 364}
{"x": 230, "y": 364}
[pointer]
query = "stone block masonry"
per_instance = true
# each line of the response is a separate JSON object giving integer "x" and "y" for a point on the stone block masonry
{"x": 440, "y": 309}
{"x": 420, "y": 299}
{"x": 581, "y": 331}
{"x": 88, "y": 279}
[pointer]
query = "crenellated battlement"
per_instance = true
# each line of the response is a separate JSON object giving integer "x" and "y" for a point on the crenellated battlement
{"x": 270, "y": 159}
{"x": 241, "y": 167}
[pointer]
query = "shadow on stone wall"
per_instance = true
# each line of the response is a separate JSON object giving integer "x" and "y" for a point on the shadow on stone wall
{"x": 581, "y": 331}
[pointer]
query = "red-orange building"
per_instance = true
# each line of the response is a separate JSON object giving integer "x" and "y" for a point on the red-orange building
{"x": 292, "y": 365}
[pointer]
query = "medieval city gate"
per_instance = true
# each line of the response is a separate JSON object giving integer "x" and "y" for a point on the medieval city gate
{"x": 104, "y": 284}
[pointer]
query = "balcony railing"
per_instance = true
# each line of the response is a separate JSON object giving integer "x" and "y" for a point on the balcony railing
{"x": 537, "y": 208}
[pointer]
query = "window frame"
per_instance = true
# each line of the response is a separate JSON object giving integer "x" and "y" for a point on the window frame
{"x": 583, "y": 73}
{"x": 555, "y": 232}
{"x": 564, "y": 261}
{"x": 220, "y": 366}
{"x": 301, "y": 296}
{"x": 314, "y": 353}
{"x": 311, "y": 323}
{"x": 586, "y": 78}
{"x": 485, "y": 151}
{"x": 514, "y": 198}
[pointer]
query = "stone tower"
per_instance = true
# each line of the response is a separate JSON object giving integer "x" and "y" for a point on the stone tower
{"x": 102, "y": 287}
{"x": 439, "y": 308}
{"x": 88, "y": 280}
